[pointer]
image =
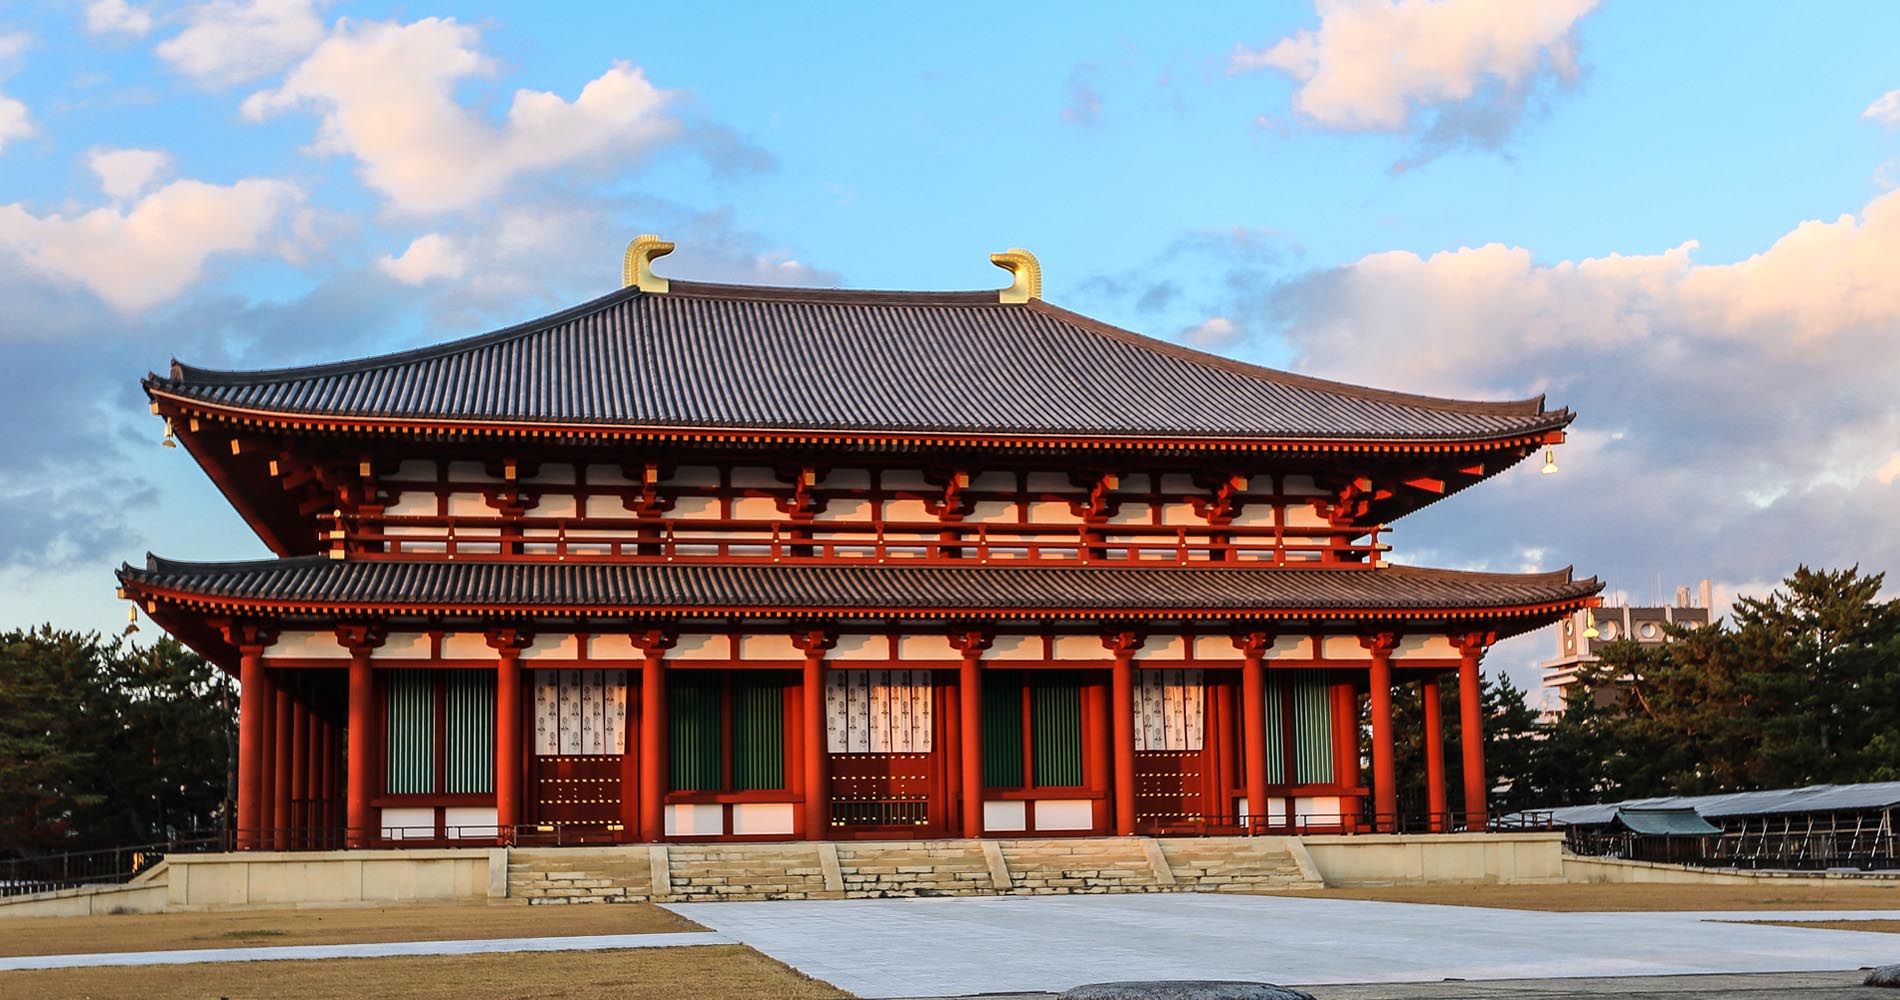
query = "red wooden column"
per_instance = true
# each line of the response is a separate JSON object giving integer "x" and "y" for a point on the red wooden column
{"x": 1385, "y": 790}
{"x": 281, "y": 760}
{"x": 654, "y": 774}
{"x": 508, "y": 644}
{"x": 1122, "y": 706}
{"x": 1471, "y": 725}
{"x": 970, "y": 727}
{"x": 1346, "y": 751}
{"x": 299, "y": 767}
{"x": 814, "y": 643}
{"x": 1253, "y": 647}
{"x": 359, "y": 821}
{"x": 254, "y": 700}
{"x": 1434, "y": 757}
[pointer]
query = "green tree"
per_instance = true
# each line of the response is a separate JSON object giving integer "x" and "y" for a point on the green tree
{"x": 106, "y": 742}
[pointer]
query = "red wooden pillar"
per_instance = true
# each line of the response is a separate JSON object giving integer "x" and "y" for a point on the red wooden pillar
{"x": 1122, "y": 707}
{"x": 1385, "y": 790}
{"x": 1434, "y": 758}
{"x": 1346, "y": 751}
{"x": 814, "y": 643}
{"x": 254, "y": 699}
{"x": 359, "y": 820}
{"x": 654, "y": 775}
{"x": 1253, "y": 713}
{"x": 508, "y": 644}
{"x": 970, "y": 727}
{"x": 282, "y": 732}
{"x": 299, "y": 767}
{"x": 1471, "y": 726}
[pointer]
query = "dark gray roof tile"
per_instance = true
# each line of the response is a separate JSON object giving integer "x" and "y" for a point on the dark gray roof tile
{"x": 735, "y": 357}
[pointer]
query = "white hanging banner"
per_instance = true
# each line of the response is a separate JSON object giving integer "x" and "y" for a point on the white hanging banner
{"x": 615, "y": 732}
{"x": 877, "y": 711}
{"x": 1169, "y": 710}
{"x": 547, "y": 712}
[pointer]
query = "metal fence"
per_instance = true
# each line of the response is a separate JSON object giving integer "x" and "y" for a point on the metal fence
{"x": 109, "y": 866}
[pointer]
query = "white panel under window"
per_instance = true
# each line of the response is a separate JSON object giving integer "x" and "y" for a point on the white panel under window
{"x": 761, "y": 818}
{"x": 1169, "y": 707}
{"x": 1005, "y": 817}
{"x": 1064, "y": 814}
{"x": 877, "y": 711}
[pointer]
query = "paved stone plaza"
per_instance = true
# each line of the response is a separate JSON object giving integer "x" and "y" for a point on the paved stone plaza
{"x": 953, "y": 947}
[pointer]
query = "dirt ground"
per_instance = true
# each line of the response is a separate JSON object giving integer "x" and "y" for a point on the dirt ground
{"x": 642, "y": 974}
{"x": 1878, "y": 926}
{"x": 1634, "y": 897}
{"x": 252, "y": 928}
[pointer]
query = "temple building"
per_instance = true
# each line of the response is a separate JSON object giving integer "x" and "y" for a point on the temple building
{"x": 696, "y": 562}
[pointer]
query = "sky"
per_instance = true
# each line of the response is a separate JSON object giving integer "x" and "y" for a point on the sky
{"x": 1680, "y": 220}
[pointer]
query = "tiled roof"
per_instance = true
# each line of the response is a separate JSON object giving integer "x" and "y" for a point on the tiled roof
{"x": 741, "y": 358}
{"x": 316, "y": 581}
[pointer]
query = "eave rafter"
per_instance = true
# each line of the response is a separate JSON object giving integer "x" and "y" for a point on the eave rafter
{"x": 581, "y": 433}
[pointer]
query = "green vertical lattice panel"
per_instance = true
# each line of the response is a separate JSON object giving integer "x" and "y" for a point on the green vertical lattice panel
{"x": 1312, "y": 727}
{"x": 1002, "y": 729}
{"x": 694, "y": 716}
{"x": 471, "y": 731}
{"x": 1276, "y": 727}
{"x": 411, "y": 698}
{"x": 1055, "y": 702}
{"x": 758, "y": 733}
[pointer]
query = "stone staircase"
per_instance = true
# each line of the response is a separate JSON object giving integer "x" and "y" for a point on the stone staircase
{"x": 1076, "y": 865}
{"x": 580, "y": 875}
{"x": 708, "y": 872}
{"x": 876, "y": 869}
{"x": 1236, "y": 864}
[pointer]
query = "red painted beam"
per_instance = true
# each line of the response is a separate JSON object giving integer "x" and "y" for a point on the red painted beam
{"x": 1253, "y": 696}
{"x": 253, "y": 697}
{"x": 1434, "y": 756}
{"x": 1471, "y": 735}
{"x": 359, "y": 820}
{"x": 1385, "y": 792}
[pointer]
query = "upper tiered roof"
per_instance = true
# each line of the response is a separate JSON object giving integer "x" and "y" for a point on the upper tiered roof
{"x": 740, "y": 360}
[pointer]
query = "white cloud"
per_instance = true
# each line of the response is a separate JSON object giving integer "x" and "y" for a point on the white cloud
{"x": 428, "y": 257}
{"x": 106, "y": 17}
{"x": 1885, "y": 109}
{"x": 139, "y": 257}
{"x": 1735, "y": 419}
{"x": 1373, "y": 64}
{"x": 124, "y": 174}
{"x": 386, "y": 92}
{"x": 235, "y": 41}
{"x": 16, "y": 122}
{"x": 1211, "y": 333}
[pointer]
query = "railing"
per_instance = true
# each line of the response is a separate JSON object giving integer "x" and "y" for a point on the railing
{"x": 1863, "y": 841}
{"x": 107, "y": 866}
{"x": 1364, "y": 821}
{"x": 880, "y": 812}
{"x": 671, "y": 539}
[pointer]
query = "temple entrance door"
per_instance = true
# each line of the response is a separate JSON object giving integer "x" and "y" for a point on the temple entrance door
{"x": 580, "y": 732}
{"x": 881, "y": 731}
{"x": 1174, "y": 772}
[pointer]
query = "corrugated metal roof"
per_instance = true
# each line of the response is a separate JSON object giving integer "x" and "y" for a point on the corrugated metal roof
{"x": 1812, "y": 798}
{"x": 736, "y": 357}
{"x": 950, "y": 589}
{"x": 1681, "y": 822}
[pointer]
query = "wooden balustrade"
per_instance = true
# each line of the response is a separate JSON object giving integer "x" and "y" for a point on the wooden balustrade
{"x": 955, "y": 543}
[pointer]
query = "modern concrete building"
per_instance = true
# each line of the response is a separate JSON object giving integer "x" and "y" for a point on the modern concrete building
{"x": 1585, "y": 631}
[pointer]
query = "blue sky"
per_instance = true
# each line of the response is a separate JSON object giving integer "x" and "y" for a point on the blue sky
{"x": 1677, "y": 218}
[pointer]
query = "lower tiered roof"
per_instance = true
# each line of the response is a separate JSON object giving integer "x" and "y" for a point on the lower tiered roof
{"x": 314, "y": 584}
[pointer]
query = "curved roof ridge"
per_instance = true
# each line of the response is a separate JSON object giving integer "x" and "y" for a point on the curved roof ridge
{"x": 1527, "y": 407}
{"x": 190, "y": 373}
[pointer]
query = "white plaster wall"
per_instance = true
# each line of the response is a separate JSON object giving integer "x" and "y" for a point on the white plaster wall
{"x": 762, "y": 818}
{"x": 1064, "y": 814}
{"x": 1005, "y": 817}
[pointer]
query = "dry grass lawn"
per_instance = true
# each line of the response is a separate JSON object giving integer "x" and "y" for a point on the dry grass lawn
{"x": 354, "y": 925}
{"x": 1878, "y": 926}
{"x": 642, "y": 974}
{"x": 1633, "y": 897}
